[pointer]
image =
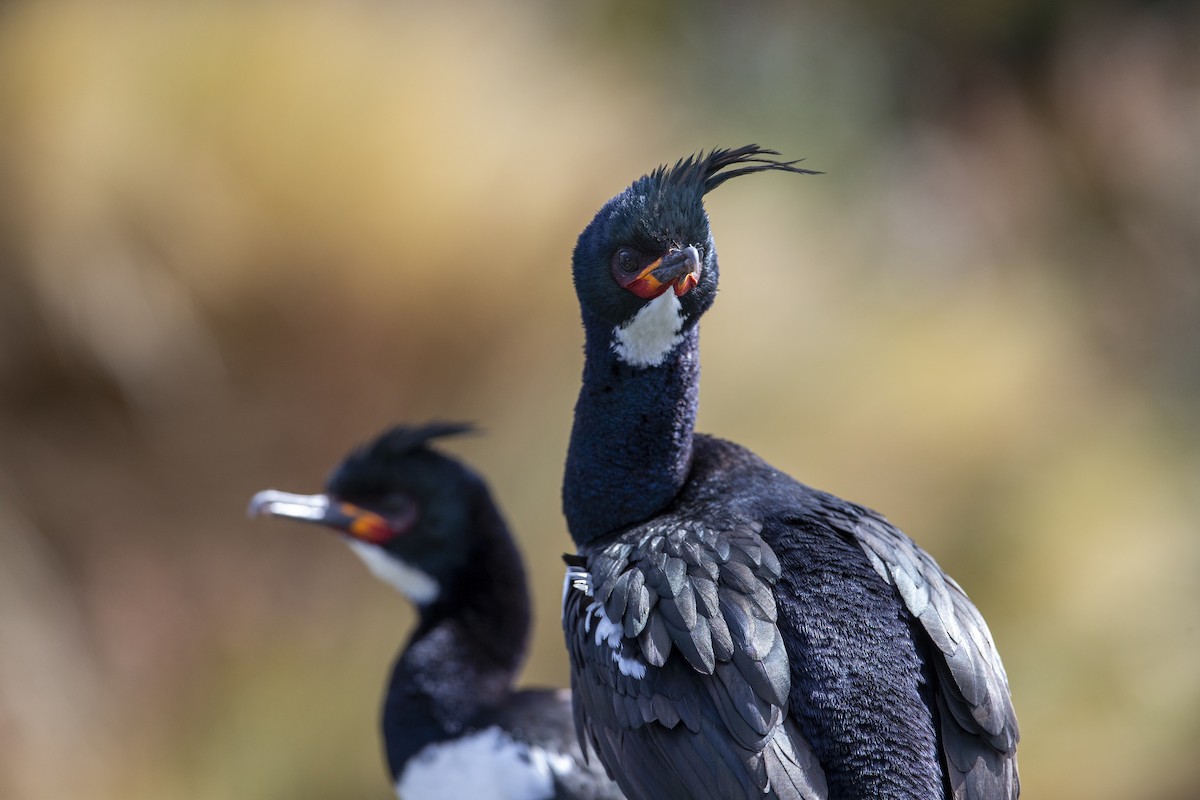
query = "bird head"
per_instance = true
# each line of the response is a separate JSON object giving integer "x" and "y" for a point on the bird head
{"x": 645, "y": 266}
{"x": 403, "y": 507}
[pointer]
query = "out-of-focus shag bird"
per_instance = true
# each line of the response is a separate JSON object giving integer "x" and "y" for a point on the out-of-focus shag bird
{"x": 734, "y": 633}
{"x": 452, "y": 724}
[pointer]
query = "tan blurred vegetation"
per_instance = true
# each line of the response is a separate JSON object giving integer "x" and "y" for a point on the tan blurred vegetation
{"x": 236, "y": 238}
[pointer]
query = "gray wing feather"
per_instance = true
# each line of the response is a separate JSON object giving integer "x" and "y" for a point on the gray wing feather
{"x": 680, "y": 675}
{"x": 979, "y": 725}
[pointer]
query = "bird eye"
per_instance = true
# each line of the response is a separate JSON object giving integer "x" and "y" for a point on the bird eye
{"x": 400, "y": 510}
{"x": 626, "y": 260}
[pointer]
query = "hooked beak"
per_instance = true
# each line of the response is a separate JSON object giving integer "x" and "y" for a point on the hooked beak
{"x": 354, "y": 521}
{"x": 678, "y": 269}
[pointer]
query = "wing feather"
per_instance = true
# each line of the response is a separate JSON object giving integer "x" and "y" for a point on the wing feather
{"x": 680, "y": 672}
{"x": 978, "y": 723}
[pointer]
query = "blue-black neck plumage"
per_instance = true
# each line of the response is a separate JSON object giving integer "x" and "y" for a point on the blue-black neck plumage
{"x": 631, "y": 444}
{"x": 462, "y": 659}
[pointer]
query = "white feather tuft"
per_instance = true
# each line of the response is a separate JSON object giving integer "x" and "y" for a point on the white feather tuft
{"x": 609, "y": 632}
{"x": 647, "y": 339}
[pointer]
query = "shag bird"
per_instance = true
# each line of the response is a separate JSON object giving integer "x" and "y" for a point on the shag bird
{"x": 734, "y": 633}
{"x": 452, "y": 724}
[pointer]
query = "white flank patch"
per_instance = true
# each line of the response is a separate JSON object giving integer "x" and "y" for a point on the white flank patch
{"x": 607, "y": 631}
{"x": 418, "y": 586}
{"x": 488, "y": 765}
{"x": 645, "y": 340}
{"x": 580, "y": 580}
{"x": 613, "y": 634}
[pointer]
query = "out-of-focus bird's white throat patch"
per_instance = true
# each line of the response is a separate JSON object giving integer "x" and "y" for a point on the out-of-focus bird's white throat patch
{"x": 418, "y": 586}
{"x": 647, "y": 339}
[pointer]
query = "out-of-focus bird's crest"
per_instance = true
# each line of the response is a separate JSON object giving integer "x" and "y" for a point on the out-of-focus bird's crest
{"x": 403, "y": 440}
{"x": 371, "y": 467}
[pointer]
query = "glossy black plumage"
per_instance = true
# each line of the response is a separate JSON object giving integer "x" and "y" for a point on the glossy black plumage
{"x": 734, "y": 633}
{"x": 451, "y": 719}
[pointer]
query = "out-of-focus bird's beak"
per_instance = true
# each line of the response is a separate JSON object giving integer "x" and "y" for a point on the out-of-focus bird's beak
{"x": 678, "y": 269}
{"x": 352, "y": 520}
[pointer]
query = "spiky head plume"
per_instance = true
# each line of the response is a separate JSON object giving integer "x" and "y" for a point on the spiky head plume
{"x": 707, "y": 172}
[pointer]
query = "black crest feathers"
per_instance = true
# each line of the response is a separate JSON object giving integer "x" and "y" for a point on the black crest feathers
{"x": 711, "y": 170}
{"x": 370, "y": 468}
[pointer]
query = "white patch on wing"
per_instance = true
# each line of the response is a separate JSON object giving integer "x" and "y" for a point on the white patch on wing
{"x": 487, "y": 765}
{"x": 607, "y": 631}
{"x": 647, "y": 339}
{"x": 580, "y": 580}
{"x": 420, "y": 587}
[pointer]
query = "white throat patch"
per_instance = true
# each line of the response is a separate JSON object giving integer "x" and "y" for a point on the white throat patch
{"x": 420, "y": 587}
{"x": 488, "y": 765}
{"x": 645, "y": 340}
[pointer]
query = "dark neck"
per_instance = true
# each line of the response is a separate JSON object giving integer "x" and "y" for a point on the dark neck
{"x": 466, "y": 651}
{"x": 631, "y": 445}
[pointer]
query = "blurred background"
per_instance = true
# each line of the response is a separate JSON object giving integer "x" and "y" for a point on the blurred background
{"x": 238, "y": 238}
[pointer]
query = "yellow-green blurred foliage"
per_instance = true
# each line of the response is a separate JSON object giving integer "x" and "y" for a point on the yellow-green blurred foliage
{"x": 237, "y": 238}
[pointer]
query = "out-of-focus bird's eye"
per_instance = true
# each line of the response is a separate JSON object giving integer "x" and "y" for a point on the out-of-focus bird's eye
{"x": 398, "y": 507}
{"x": 400, "y": 510}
